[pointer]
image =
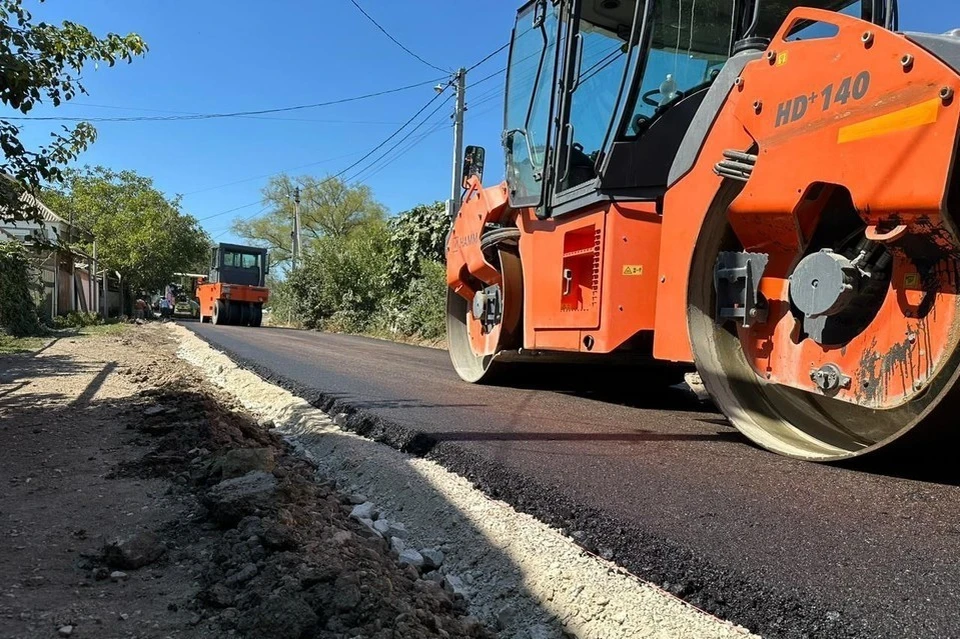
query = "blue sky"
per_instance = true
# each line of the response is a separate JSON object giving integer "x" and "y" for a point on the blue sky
{"x": 221, "y": 56}
{"x": 233, "y": 55}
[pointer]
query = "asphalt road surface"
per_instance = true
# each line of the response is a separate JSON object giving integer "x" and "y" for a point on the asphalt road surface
{"x": 659, "y": 482}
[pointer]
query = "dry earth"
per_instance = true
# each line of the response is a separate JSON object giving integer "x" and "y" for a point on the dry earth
{"x": 140, "y": 501}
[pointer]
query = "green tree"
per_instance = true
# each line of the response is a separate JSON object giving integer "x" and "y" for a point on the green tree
{"x": 417, "y": 235}
{"x": 140, "y": 233}
{"x": 340, "y": 284}
{"x": 18, "y": 313}
{"x": 43, "y": 62}
{"x": 328, "y": 208}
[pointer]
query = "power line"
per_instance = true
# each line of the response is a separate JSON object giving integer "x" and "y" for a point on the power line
{"x": 489, "y": 77}
{"x": 379, "y": 146}
{"x": 230, "y": 228}
{"x": 235, "y": 114}
{"x": 490, "y": 55}
{"x": 245, "y": 206}
{"x": 394, "y": 40}
{"x": 267, "y": 175}
{"x": 252, "y": 117}
{"x": 440, "y": 126}
{"x": 401, "y": 140}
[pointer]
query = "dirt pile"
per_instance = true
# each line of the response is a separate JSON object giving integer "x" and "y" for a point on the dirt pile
{"x": 290, "y": 562}
{"x": 142, "y": 502}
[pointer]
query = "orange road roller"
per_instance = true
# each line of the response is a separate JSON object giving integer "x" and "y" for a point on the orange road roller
{"x": 236, "y": 291}
{"x": 767, "y": 189}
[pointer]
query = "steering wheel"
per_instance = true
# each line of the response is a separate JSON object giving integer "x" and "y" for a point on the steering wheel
{"x": 648, "y": 98}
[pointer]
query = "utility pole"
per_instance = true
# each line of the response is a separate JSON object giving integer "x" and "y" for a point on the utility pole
{"x": 295, "y": 234}
{"x": 456, "y": 187}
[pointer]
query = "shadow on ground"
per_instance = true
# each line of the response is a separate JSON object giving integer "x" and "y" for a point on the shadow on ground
{"x": 325, "y": 588}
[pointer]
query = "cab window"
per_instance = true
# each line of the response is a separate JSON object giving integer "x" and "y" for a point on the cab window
{"x": 601, "y": 57}
{"x": 233, "y": 259}
{"x": 529, "y": 96}
{"x": 690, "y": 42}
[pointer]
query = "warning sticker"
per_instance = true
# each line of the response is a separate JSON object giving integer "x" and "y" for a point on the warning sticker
{"x": 633, "y": 269}
{"x": 911, "y": 279}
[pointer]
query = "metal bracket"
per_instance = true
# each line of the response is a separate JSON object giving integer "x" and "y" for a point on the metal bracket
{"x": 736, "y": 279}
{"x": 829, "y": 378}
{"x": 488, "y": 307}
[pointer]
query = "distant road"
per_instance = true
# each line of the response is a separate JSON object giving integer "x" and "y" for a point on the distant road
{"x": 645, "y": 474}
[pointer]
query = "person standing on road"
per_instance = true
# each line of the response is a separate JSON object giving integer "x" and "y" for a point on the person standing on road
{"x": 139, "y": 309}
{"x": 164, "y": 308}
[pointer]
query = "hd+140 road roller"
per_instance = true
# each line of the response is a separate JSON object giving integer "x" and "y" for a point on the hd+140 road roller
{"x": 767, "y": 189}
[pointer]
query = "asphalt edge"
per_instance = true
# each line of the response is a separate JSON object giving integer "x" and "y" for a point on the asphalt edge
{"x": 716, "y": 591}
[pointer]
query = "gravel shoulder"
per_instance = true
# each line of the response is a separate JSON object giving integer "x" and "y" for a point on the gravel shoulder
{"x": 518, "y": 575}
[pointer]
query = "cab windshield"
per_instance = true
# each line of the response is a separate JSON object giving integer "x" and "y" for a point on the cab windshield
{"x": 690, "y": 42}
{"x": 232, "y": 259}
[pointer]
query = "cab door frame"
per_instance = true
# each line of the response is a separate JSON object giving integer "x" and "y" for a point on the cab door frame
{"x": 582, "y": 196}
{"x": 511, "y": 133}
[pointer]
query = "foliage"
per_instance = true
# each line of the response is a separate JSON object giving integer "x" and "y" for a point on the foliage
{"x": 77, "y": 319}
{"x": 38, "y": 62}
{"x": 140, "y": 233}
{"x": 420, "y": 309}
{"x": 18, "y": 311}
{"x": 340, "y": 285}
{"x": 383, "y": 277}
{"x": 416, "y": 235}
{"x": 328, "y": 208}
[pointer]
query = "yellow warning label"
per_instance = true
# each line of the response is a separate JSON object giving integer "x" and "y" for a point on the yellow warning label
{"x": 633, "y": 269}
{"x": 911, "y": 279}
{"x": 781, "y": 58}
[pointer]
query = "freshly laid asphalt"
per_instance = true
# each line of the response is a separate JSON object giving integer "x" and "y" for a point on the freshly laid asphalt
{"x": 646, "y": 475}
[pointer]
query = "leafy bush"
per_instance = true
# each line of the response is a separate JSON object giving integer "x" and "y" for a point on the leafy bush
{"x": 18, "y": 311}
{"x": 340, "y": 285}
{"x": 416, "y": 236}
{"x": 387, "y": 278}
{"x": 77, "y": 319}
{"x": 420, "y": 311}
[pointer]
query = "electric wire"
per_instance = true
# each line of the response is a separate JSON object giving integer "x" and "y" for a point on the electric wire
{"x": 230, "y": 228}
{"x": 234, "y": 114}
{"x": 403, "y": 152}
{"x": 238, "y": 208}
{"x": 394, "y": 40}
{"x": 369, "y": 153}
{"x": 373, "y": 169}
{"x": 488, "y": 56}
{"x": 267, "y": 175}
{"x": 251, "y": 117}
{"x": 404, "y": 138}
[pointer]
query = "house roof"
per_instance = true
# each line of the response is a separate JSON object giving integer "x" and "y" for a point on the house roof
{"x": 45, "y": 212}
{"x": 48, "y": 216}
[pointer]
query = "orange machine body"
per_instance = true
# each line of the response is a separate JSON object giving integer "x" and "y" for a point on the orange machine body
{"x": 868, "y": 112}
{"x": 209, "y": 292}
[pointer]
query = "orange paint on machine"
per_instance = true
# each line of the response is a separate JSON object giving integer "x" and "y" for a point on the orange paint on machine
{"x": 774, "y": 202}
{"x": 235, "y": 292}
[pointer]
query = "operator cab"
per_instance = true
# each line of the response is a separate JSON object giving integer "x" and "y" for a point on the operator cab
{"x": 235, "y": 264}
{"x": 600, "y": 93}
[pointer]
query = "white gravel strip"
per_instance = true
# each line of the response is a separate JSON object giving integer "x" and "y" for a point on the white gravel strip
{"x": 520, "y": 575}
